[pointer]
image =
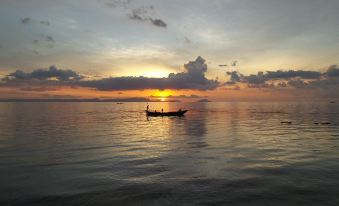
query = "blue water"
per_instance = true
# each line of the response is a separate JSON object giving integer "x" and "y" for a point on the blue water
{"x": 217, "y": 154}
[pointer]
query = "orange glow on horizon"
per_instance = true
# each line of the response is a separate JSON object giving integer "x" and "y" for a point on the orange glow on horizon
{"x": 162, "y": 93}
{"x": 220, "y": 94}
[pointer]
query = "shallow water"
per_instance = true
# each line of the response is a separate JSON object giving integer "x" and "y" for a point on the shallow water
{"x": 217, "y": 154}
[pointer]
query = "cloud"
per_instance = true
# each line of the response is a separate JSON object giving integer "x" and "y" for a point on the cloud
{"x": 44, "y": 74}
{"x": 136, "y": 16}
{"x": 333, "y": 71}
{"x": 25, "y": 20}
{"x": 291, "y": 73}
{"x": 234, "y": 77}
{"x": 192, "y": 96}
{"x": 141, "y": 14}
{"x": 261, "y": 77}
{"x": 158, "y": 22}
{"x": 296, "y": 83}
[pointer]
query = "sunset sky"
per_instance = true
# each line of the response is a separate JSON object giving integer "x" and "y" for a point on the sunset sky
{"x": 187, "y": 50}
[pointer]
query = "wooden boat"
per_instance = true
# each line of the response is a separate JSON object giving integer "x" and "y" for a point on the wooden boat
{"x": 157, "y": 114}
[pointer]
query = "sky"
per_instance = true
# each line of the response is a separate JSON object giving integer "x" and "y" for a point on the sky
{"x": 187, "y": 50}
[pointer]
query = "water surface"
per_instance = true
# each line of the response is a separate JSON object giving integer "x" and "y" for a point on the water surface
{"x": 217, "y": 154}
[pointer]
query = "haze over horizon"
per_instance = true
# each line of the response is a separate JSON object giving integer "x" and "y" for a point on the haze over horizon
{"x": 180, "y": 50}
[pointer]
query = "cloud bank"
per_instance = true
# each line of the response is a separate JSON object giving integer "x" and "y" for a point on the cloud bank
{"x": 192, "y": 78}
{"x": 291, "y": 78}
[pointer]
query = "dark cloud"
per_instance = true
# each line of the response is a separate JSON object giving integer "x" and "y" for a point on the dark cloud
{"x": 25, "y": 20}
{"x": 158, "y": 22}
{"x": 141, "y": 14}
{"x": 333, "y": 71}
{"x": 234, "y": 77}
{"x": 44, "y": 74}
{"x": 261, "y": 77}
{"x": 291, "y": 73}
{"x": 291, "y": 78}
{"x": 296, "y": 83}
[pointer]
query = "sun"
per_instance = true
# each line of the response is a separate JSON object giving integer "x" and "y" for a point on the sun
{"x": 162, "y": 93}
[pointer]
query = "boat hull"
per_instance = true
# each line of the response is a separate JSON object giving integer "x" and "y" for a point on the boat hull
{"x": 161, "y": 114}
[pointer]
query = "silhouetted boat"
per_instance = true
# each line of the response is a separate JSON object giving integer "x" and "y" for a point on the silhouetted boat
{"x": 156, "y": 114}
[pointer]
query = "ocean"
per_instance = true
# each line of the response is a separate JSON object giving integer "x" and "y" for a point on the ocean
{"x": 233, "y": 153}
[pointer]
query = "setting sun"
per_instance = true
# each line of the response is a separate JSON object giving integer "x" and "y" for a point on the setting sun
{"x": 162, "y": 93}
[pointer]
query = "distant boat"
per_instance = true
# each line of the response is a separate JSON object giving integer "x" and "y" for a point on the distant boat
{"x": 119, "y": 103}
{"x": 157, "y": 114}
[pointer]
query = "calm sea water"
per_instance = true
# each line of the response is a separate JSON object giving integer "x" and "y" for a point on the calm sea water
{"x": 218, "y": 154}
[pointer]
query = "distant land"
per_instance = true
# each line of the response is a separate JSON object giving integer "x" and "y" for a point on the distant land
{"x": 134, "y": 99}
{"x": 203, "y": 100}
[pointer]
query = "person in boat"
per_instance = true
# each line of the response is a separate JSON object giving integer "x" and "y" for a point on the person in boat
{"x": 179, "y": 110}
{"x": 147, "y": 107}
{"x": 162, "y": 110}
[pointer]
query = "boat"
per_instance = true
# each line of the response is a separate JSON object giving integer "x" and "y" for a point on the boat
{"x": 157, "y": 114}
